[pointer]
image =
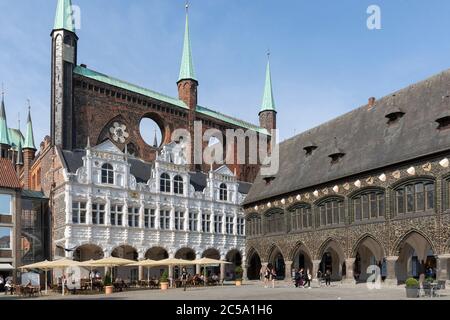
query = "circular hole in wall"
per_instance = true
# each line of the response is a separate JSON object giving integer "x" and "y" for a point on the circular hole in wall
{"x": 150, "y": 132}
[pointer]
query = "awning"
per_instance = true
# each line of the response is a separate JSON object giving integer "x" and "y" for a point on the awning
{"x": 6, "y": 266}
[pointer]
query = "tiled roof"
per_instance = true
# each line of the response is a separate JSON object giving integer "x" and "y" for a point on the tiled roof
{"x": 8, "y": 177}
{"x": 366, "y": 138}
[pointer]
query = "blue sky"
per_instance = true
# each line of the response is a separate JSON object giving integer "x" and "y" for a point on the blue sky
{"x": 324, "y": 59}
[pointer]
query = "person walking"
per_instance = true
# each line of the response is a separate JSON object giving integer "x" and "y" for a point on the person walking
{"x": 307, "y": 280}
{"x": 184, "y": 276}
{"x": 328, "y": 277}
{"x": 267, "y": 275}
{"x": 273, "y": 275}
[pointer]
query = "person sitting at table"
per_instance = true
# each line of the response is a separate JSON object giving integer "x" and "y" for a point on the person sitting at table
{"x": 9, "y": 287}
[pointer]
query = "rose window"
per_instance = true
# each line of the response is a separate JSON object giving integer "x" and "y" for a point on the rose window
{"x": 118, "y": 132}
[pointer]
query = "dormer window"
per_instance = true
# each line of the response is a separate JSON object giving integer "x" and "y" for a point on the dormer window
{"x": 268, "y": 180}
{"x": 394, "y": 115}
{"x": 107, "y": 174}
{"x": 335, "y": 157}
{"x": 309, "y": 149}
{"x": 223, "y": 192}
{"x": 444, "y": 123}
{"x": 336, "y": 153}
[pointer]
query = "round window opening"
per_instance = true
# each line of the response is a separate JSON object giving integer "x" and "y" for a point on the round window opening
{"x": 150, "y": 132}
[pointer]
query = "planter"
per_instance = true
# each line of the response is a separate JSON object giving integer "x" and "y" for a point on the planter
{"x": 412, "y": 293}
{"x": 109, "y": 289}
{"x": 164, "y": 285}
{"x": 238, "y": 283}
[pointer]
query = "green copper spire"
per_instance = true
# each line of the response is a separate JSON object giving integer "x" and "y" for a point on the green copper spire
{"x": 187, "y": 66}
{"x": 4, "y": 135}
{"x": 29, "y": 138}
{"x": 64, "y": 17}
{"x": 19, "y": 159}
{"x": 268, "y": 103}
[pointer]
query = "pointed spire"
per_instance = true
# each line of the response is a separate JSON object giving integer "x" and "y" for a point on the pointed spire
{"x": 268, "y": 103}
{"x": 4, "y": 134}
{"x": 88, "y": 144}
{"x": 64, "y": 16}
{"x": 19, "y": 159}
{"x": 155, "y": 140}
{"x": 29, "y": 138}
{"x": 187, "y": 65}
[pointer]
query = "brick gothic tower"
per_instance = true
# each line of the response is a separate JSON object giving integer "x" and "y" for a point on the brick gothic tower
{"x": 268, "y": 114}
{"x": 64, "y": 59}
{"x": 187, "y": 82}
{"x": 29, "y": 152}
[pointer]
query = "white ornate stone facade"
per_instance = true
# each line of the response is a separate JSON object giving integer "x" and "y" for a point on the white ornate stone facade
{"x": 109, "y": 209}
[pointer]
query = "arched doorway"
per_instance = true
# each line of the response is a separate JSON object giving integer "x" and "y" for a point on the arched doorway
{"x": 332, "y": 258}
{"x": 368, "y": 252}
{"x": 185, "y": 254}
{"x": 276, "y": 260}
{"x": 253, "y": 265}
{"x": 416, "y": 255}
{"x": 126, "y": 273}
{"x": 87, "y": 252}
{"x": 212, "y": 254}
{"x": 302, "y": 259}
{"x": 156, "y": 253}
{"x": 235, "y": 257}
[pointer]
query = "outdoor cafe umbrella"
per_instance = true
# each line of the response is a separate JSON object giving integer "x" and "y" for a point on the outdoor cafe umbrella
{"x": 111, "y": 262}
{"x": 145, "y": 263}
{"x": 170, "y": 262}
{"x": 63, "y": 264}
{"x": 210, "y": 262}
{"x": 173, "y": 262}
{"x": 43, "y": 265}
{"x": 88, "y": 264}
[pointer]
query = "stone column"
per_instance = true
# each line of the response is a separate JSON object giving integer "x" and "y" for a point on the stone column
{"x": 222, "y": 272}
{"x": 315, "y": 269}
{"x": 288, "y": 270}
{"x": 391, "y": 276}
{"x": 349, "y": 267}
{"x": 141, "y": 273}
{"x": 89, "y": 210}
{"x": 198, "y": 267}
{"x": 244, "y": 274}
{"x": 442, "y": 267}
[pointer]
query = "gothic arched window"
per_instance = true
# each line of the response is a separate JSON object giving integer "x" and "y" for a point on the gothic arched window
{"x": 331, "y": 212}
{"x": 107, "y": 174}
{"x": 368, "y": 204}
{"x": 415, "y": 196}
{"x": 164, "y": 183}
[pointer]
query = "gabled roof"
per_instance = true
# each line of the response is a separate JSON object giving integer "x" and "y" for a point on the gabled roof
{"x": 94, "y": 75}
{"x": 8, "y": 176}
{"x": 366, "y": 138}
{"x": 141, "y": 170}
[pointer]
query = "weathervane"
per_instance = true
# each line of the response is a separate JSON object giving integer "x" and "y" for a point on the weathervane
{"x": 29, "y": 104}
{"x": 187, "y": 6}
